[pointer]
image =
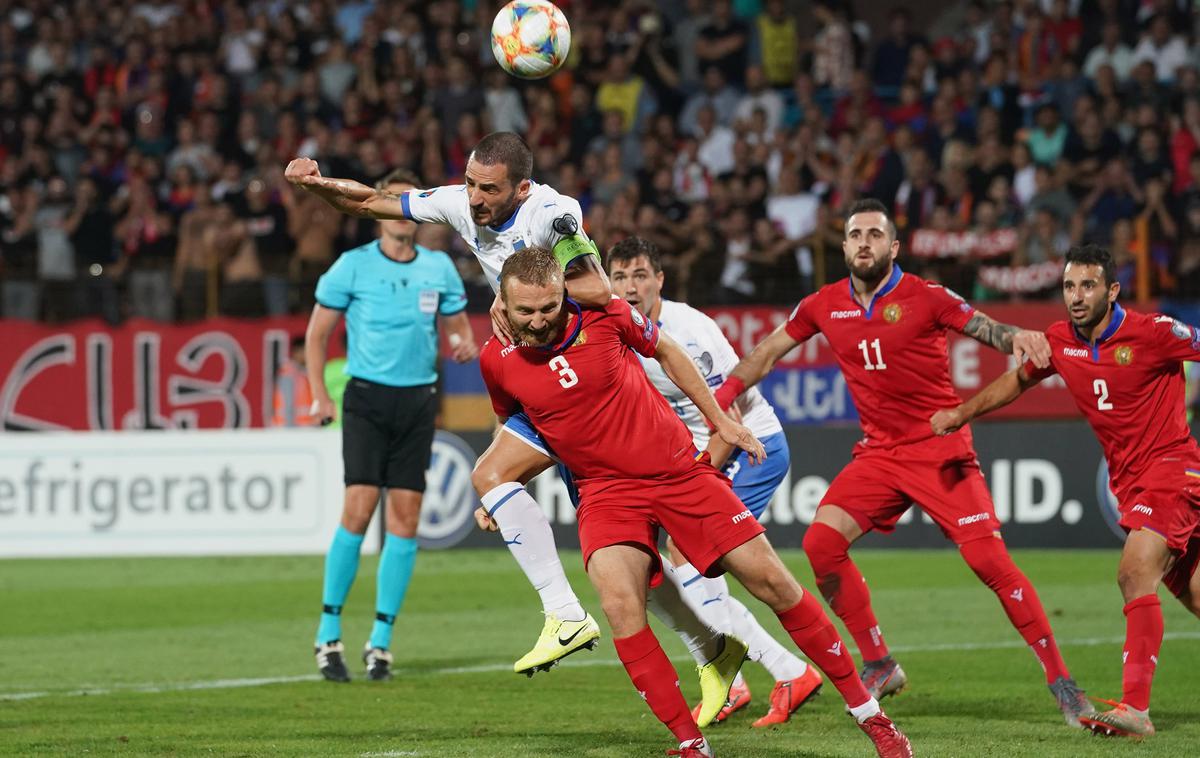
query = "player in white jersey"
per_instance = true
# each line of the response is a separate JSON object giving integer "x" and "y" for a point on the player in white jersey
{"x": 636, "y": 274}
{"x": 497, "y": 211}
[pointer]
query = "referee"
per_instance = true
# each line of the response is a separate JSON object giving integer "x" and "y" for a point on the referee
{"x": 392, "y": 292}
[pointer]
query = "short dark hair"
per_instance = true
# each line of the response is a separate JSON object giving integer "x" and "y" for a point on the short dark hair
{"x": 872, "y": 205}
{"x": 531, "y": 265}
{"x": 1094, "y": 255}
{"x": 507, "y": 148}
{"x": 398, "y": 176}
{"x": 632, "y": 248}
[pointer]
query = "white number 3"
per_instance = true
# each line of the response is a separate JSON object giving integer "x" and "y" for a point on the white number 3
{"x": 566, "y": 374}
{"x": 1100, "y": 387}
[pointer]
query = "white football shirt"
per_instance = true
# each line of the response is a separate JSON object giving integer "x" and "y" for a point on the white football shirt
{"x": 542, "y": 220}
{"x": 703, "y": 340}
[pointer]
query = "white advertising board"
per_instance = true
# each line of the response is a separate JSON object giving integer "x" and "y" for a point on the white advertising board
{"x": 170, "y": 492}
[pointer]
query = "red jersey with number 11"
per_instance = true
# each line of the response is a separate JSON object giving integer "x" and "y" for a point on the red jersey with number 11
{"x": 892, "y": 354}
{"x": 1130, "y": 387}
{"x": 590, "y": 399}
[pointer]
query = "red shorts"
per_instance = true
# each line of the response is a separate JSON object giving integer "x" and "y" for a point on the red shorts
{"x": 1166, "y": 501}
{"x": 878, "y": 486}
{"x": 698, "y": 509}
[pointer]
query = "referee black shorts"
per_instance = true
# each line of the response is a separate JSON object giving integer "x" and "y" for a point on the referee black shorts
{"x": 387, "y": 434}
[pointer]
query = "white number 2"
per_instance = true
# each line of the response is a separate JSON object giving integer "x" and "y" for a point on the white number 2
{"x": 566, "y": 374}
{"x": 878, "y": 364}
{"x": 1101, "y": 389}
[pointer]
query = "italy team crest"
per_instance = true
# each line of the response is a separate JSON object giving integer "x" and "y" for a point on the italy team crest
{"x": 1123, "y": 355}
{"x": 892, "y": 313}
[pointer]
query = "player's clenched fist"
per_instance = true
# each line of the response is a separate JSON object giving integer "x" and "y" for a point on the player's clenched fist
{"x": 298, "y": 171}
{"x": 946, "y": 421}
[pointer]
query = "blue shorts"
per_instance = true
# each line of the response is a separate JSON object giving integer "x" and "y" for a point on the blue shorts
{"x": 520, "y": 426}
{"x": 756, "y": 485}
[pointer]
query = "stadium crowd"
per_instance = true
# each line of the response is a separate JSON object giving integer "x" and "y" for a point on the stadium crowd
{"x": 142, "y": 143}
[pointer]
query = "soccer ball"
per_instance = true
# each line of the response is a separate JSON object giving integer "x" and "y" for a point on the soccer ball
{"x": 530, "y": 38}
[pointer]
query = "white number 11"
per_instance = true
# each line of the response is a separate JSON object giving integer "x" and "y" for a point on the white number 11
{"x": 874, "y": 345}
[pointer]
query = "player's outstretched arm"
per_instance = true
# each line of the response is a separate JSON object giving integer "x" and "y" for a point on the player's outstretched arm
{"x": 750, "y": 370}
{"x": 1023, "y": 344}
{"x": 587, "y": 284}
{"x": 316, "y": 340}
{"x": 682, "y": 371}
{"x": 346, "y": 195}
{"x": 1005, "y": 389}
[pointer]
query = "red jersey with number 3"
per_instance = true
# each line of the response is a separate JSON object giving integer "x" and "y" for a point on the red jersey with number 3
{"x": 1130, "y": 387}
{"x": 892, "y": 354}
{"x": 590, "y": 399}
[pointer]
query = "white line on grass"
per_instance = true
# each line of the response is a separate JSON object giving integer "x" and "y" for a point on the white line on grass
{"x": 222, "y": 684}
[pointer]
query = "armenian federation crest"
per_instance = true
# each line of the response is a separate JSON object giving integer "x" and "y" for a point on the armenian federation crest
{"x": 1123, "y": 355}
{"x": 892, "y": 313}
{"x": 582, "y": 338}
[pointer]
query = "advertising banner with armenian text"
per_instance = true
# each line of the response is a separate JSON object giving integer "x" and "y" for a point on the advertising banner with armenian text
{"x": 220, "y": 373}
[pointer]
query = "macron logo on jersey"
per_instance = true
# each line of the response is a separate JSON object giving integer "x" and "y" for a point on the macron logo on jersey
{"x": 742, "y": 516}
{"x": 845, "y": 314}
{"x": 1139, "y": 508}
{"x": 973, "y": 519}
{"x": 1076, "y": 352}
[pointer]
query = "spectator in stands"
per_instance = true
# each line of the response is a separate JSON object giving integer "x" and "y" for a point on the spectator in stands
{"x": 90, "y": 227}
{"x": 724, "y": 42}
{"x": 832, "y": 47}
{"x": 777, "y": 34}
{"x": 1111, "y": 52}
{"x": 1166, "y": 50}
{"x": 293, "y": 396}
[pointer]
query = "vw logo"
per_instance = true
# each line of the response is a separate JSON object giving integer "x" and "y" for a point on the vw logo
{"x": 1108, "y": 501}
{"x": 449, "y": 503}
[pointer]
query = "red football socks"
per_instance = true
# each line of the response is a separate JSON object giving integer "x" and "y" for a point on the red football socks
{"x": 990, "y": 561}
{"x": 1143, "y": 638}
{"x": 657, "y": 682}
{"x": 844, "y": 588}
{"x": 817, "y": 638}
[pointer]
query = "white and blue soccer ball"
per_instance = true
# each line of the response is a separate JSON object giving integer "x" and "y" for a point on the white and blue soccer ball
{"x": 530, "y": 38}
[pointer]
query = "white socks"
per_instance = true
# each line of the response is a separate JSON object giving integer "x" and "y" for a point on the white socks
{"x": 667, "y": 602}
{"x": 710, "y": 599}
{"x": 865, "y": 711}
{"x": 530, "y": 540}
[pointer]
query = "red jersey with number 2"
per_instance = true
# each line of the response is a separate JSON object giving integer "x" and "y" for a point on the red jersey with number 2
{"x": 892, "y": 353}
{"x": 1130, "y": 387}
{"x": 590, "y": 399}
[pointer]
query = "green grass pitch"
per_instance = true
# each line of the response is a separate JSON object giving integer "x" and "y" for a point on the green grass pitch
{"x": 209, "y": 656}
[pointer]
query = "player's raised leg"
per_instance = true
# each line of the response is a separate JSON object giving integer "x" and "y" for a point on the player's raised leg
{"x": 795, "y": 681}
{"x": 341, "y": 566}
{"x": 1144, "y": 561}
{"x": 621, "y": 574}
{"x": 758, "y": 568}
{"x": 1184, "y": 577}
{"x": 718, "y": 655}
{"x": 827, "y": 545}
{"x": 515, "y": 456}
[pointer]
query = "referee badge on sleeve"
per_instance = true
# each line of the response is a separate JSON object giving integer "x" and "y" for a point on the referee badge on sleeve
{"x": 428, "y": 301}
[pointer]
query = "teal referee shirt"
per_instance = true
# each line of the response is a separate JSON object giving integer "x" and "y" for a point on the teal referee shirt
{"x": 391, "y": 311}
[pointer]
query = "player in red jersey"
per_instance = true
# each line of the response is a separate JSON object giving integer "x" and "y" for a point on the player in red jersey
{"x": 1125, "y": 372}
{"x": 888, "y": 333}
{"x": 573, "y": 373}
